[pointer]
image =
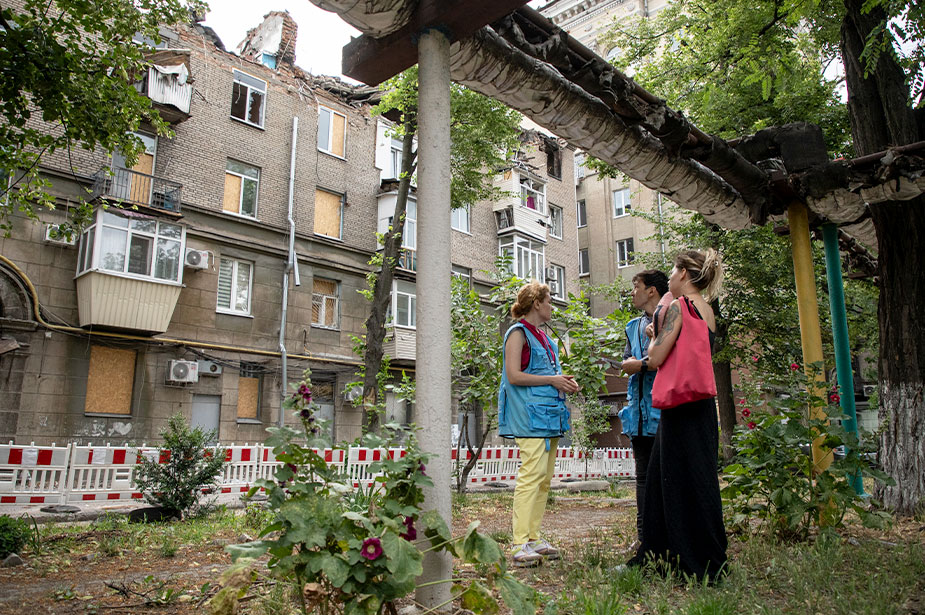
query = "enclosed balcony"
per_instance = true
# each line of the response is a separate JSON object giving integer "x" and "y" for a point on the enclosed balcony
{"x": 130, "y": 187}
{"x": 168, "y": 84}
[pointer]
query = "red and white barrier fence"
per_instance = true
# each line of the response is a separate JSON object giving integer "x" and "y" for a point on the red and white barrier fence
{"x": 80, "y": 473}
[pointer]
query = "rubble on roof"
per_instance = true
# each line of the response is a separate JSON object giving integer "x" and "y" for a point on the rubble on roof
{"x": 275, "y": 36}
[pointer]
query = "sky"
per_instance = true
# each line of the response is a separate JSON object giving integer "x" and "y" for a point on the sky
{"x": 321, "y": 36}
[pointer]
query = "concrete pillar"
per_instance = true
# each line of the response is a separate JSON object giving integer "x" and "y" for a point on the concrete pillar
{"x": 432, "y": 398}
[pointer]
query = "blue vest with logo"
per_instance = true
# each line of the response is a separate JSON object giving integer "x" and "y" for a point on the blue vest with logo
{"x": 638, "y": 417}
{"x": 532, "y": 412}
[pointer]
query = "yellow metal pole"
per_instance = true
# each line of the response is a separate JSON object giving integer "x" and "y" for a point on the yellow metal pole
{"x": 810, "y": 331}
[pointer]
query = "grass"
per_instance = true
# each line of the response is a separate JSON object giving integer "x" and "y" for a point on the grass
{"x": 851, "y": 571}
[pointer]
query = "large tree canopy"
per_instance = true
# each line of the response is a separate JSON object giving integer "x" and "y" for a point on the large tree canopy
{"x": 736, "y": 66}
{"x": 67, "y": 82}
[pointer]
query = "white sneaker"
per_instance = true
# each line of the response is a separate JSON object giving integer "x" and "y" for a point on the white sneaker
{"x": 525, "y": 557}
{"x": 545, "y": 549}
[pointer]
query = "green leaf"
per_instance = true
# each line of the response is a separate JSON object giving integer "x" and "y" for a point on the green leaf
{"x": 478, "y": 599}
{"x": 520, "y": 598}
{"x": 335, "y": 569}
{"x": 436, "y": 530}
{"x": 251, "y": 550}
{"x": 479, "y": 548}
{"x": 404, "y": 560}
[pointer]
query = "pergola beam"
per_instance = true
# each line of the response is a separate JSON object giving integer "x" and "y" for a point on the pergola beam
{"x": 373, "y": 60}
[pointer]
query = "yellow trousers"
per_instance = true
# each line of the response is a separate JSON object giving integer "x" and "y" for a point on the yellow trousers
{"x": 532, "y": 489}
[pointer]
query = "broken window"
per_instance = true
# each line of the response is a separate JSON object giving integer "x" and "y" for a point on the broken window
{"x": 247, "y": 98}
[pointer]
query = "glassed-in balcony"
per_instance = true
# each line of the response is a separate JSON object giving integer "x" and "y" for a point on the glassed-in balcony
{"x": 133, "y": 188}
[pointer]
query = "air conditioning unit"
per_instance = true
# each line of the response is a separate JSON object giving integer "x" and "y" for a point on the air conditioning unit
{"x": 869, "y": 389}
{"x": 196, "y": 259}
{"x": 550, "y": 274}
{"x": 51, "y": 228}
{"x": 353, "y": 393}
{"x": 553, "y": 287}
{"x": 182, "y": 372}
{"x": 209, "y": 368}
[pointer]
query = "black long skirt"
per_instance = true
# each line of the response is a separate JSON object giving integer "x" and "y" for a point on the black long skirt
{"x": 683, "y": 515}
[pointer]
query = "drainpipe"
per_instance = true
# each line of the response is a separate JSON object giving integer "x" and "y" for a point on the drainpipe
{"x": 291, "y": 267}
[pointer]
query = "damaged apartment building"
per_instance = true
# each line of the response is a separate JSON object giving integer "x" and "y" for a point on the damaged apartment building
{"x": 179, "y": 297}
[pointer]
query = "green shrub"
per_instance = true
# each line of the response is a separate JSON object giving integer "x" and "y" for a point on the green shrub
{"x": 191, "y": 466}
{"x": 358, "y": 549}
{"x": 773, "y": 479}
{"x": 13, "y": 534}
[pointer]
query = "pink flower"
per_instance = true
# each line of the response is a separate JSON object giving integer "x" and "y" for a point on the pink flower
{"x": 755, "y": 358}
{"x": 834, "y": 398}
{"x": 741, "y": 402}
{"x": 752, "y": 425}
{"x": 746, "y": 412}
{"x": 794, "y": 366}
{"x": 372, "y": 549}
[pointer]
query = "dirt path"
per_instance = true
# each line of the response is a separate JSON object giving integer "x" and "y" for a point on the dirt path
{"x": 76, "y": 582}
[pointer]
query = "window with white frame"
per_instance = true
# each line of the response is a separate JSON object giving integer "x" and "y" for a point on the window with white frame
{"x": 409, "y": 234}
{"x": 463, "y": 273}
{"x": 533, "y": 194}
{"x": 332, "y": 132}
{"x": 555, "y": 221}
{"x": 625, "y": 253}
{"x": 583, "y": 263}
{"x": 459, "y": 219}
{"x": 324, "y": 303}
{"x": 242, "y": 184}
{"x": 582, "y": 214}
{"x": 138, "y": 247}
{"x": 580, "y": 169}
{"x": 404, "y": 304}
{"x": 248, "y": 97}
{"x": 557, "y": 283}
{"x": 395, "y": 150}
{"x": 528, "y": 256}
{"x": 621, "y": 202}
{"x": 235, "y": 280}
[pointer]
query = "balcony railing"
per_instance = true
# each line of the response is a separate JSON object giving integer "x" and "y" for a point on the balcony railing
{"x": 134, "y": 188}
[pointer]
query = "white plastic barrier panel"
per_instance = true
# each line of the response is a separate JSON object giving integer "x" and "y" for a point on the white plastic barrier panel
{"x": 33, "y": 474}
{"x": 242, "y": 467}
{"x": 619, "y": 462}
{"x": 104, "y": 473}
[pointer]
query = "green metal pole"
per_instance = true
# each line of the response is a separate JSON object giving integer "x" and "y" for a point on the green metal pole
{"x": 840, "y": 336}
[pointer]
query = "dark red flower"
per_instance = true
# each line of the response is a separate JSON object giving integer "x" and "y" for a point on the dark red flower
{"x": 410, "y": 532}
{"x": 292, "y": 467}
{"x": 742, "y": 402}
{"x": 372, "y": 548}
{"x": 746, "y": 412}
{"x": 794, "y": 366}
{"x": 306, "y": 413}
{"x": 834, "y": 398}
{"x": 303, "y": 389}
{"x": 752, "y": 425}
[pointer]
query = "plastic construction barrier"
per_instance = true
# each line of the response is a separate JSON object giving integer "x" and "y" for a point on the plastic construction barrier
{"x": 33, "y": 474}
{"x": 241, "y": 469}
{"x": 100, "y": 473}
{"x": 360, "y": 459}
{"x": 497, "y": 463}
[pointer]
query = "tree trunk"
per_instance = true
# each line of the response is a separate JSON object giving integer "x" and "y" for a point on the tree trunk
{"x": 382, "y": 289}
{"x": 725, "y": 400}
{"x": 881, "y": 116}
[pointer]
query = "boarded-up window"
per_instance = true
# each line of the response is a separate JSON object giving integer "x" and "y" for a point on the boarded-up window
{"x": 328, "y": 210}
{"x": 109, "y": 381}
{"x": 324, "y": 303}
{"x": 331, "y": 131}
{"x": 242, "y": 183}
{"x": 248, "y": 392}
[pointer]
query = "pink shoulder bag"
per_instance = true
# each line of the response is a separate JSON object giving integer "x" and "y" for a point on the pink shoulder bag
{"x": 687, "y": 373}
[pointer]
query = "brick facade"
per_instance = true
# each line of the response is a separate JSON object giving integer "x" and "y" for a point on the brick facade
{"x": 43, "y": 383}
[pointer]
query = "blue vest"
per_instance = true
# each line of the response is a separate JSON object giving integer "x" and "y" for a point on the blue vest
{"x": 639, "y": 411}
{"x": 532, "y": 412}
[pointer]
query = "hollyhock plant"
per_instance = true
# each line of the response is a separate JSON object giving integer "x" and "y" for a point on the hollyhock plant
{"x": 746, "y": 412}
{"x": 358, "y": 546}
{"x": 794, "y": 366}
{"x": 834, "y": 398}
{"x": 372, "y": 548}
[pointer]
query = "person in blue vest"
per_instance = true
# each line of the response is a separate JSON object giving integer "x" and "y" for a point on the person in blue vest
{"x": 638, "y": 417}
{"x": 532, "y": 410}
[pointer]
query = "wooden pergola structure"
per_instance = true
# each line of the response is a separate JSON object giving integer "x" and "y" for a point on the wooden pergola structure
{"x": 513, "y": 54}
